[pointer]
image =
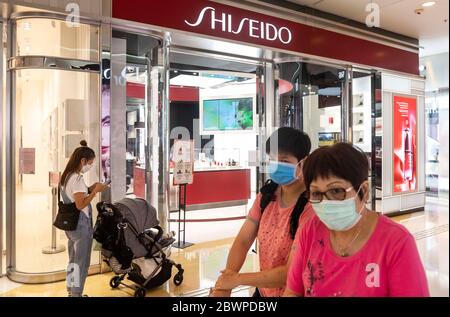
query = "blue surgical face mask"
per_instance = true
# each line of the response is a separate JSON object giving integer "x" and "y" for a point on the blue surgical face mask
{"x": 282, "y": 173}
{"x": 338, "y": 215}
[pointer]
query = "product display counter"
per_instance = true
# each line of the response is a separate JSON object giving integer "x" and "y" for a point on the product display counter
{"x": 215, "y": 187}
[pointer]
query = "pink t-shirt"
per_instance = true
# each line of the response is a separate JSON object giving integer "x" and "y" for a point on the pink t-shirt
{"x": 388, "y": 265}
{"x": 273, "y": 236}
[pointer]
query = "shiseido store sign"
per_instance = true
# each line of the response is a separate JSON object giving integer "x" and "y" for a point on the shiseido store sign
{"x": 225, "y": 22}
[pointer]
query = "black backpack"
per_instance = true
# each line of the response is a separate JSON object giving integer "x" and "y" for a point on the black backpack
{"x": 268, "y": 195}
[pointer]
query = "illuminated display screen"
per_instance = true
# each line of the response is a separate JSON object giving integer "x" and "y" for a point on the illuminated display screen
{"x": 228, "y": 114}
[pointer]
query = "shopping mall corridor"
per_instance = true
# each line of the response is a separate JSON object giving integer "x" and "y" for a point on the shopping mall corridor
{"x": 203, "y": 262}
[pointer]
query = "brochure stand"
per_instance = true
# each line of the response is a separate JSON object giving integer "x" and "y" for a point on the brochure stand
{"x": 181, "y": 243}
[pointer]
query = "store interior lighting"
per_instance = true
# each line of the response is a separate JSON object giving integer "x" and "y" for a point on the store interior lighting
{"x": 428, "y": 4}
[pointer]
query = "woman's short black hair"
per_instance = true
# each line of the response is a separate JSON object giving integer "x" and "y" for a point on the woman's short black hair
{"x": 290, "y": 141}
{"x": 341, "y": 160}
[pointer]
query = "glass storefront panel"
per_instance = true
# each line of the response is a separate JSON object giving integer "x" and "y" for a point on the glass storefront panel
{"x": 134, "y": 77}
{"x": 436, "y": 104}
{"x": 311, "y": 98}
{"x": 213, "y": 102}
{"x": 54, "y": 111}
{"x": 61, "y": 40}
{"x": 366, "y": 127}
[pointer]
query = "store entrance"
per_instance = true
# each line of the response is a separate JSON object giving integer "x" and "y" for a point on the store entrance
{"x": 54, "y": 104}
{"x": 333, "y": 104}
{"x": 131, "y": 112}
{"x": 214, "y": 103}
{"x": 314, "y": 102}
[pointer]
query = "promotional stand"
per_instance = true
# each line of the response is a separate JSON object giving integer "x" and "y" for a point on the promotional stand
{"x": 181, "y": 243}
{"x": 183, "y": 157}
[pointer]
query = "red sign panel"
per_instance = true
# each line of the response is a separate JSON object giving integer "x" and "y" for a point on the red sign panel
{"x": 27, "y": 161}
{"x": 405, "y": 144}
{"x": 232, "y": 23}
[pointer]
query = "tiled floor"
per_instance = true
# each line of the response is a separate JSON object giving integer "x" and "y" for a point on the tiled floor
{"x": 203, "y": 261}
{"x": 202, "y": 264}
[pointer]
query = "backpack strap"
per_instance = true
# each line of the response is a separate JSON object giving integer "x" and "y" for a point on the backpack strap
{"x": 62, "y": 194}
{"x": 296, "y": 213}
{"x": 268, "y": 194}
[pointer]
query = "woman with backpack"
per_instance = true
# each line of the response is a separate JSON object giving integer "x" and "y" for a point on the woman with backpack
{"x": 74, "y": 190}
{"x": 278, "y": 211}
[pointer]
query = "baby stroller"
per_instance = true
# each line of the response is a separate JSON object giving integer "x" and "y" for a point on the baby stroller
{"x": 134, "y": 245}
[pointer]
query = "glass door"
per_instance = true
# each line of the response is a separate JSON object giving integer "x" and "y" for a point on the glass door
{"x": 135, "y": 136}
{"x": 54, "y": 105}
{"x": 436, "y": 106}
{"x": 311, "y": 98}
{"x": 365, "y": 125}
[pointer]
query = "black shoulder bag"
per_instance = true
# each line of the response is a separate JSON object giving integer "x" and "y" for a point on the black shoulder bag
{"x": 67, "y": 216}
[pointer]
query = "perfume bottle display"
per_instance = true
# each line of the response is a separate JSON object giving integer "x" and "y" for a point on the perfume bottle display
{"x": 408, "y": 164}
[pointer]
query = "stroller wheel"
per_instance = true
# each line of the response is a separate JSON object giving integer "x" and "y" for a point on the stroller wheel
{"x": 140, "y": 292}
{"x": 178, "y": 279}
{"x": 115, "y": 282}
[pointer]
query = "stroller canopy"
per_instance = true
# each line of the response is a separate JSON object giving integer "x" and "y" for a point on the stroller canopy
{"x": 138, "y": 212}
{"x": 141, "y": 215}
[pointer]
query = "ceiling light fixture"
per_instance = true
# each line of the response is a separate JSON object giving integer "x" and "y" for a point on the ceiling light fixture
{"x": 428, "y": 4}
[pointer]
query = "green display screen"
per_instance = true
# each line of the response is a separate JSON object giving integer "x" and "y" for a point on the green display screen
{"x": 228, "y": 114}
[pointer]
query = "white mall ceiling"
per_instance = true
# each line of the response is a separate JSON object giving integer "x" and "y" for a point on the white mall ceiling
{"x": 430, "y": 27}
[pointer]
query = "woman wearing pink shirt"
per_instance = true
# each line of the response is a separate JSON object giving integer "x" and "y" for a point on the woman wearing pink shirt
{"x": 276, "y": 224}
{"x": 349, "y": 250}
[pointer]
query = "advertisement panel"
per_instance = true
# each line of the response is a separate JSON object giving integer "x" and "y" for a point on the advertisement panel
{"x": 183, "y": 159}
{"x": 405, "y": 143}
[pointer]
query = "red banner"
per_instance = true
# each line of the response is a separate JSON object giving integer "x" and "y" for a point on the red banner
{"x": 231, "y": 23}
{"x": 405, "y": 145}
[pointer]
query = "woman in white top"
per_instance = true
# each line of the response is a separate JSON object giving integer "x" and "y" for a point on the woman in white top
{"x": 74, "y": 190}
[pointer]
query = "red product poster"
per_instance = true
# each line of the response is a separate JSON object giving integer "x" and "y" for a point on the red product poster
{"x": 405, "y": 144}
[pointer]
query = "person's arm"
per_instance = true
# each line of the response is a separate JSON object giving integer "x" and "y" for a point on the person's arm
{"x": 91, "y": 188}
{"x": 294, "y": 281}
{"x": 272, "y": 278}
{"x": 241, "y": 245}
{"x": 293, "y": 255}
{"x": 238, "y": 254}
{"x": 82, "y": 201}
{"x": 406, "y": 274}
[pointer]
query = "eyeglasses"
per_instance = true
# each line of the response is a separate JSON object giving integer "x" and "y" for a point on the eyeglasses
{"x": 316, "y": 197}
